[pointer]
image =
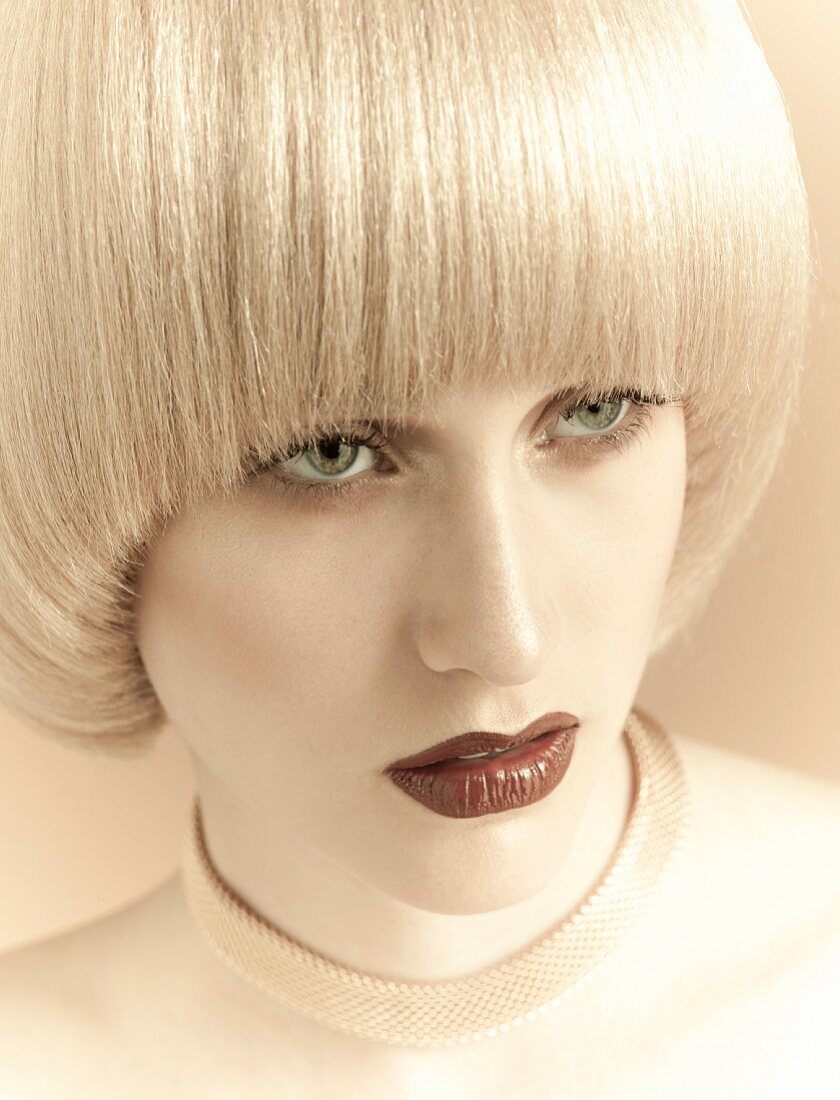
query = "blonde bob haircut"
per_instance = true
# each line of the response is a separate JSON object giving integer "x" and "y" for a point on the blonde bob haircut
{"x": 228, "y": 226}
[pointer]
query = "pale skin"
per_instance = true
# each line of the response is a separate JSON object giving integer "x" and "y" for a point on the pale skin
{"x": 491, "y": 583}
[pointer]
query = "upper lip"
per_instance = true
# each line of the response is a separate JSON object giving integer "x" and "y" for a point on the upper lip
{"x": 484, "y": 741}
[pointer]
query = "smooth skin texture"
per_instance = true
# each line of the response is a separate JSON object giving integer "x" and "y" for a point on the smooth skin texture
{"x": 727, "y": 988}
{"x": 478, "y": 582}
{"x": 488, "y": 586}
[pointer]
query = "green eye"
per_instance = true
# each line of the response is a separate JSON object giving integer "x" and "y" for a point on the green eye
{"x": 329, "y": 456}
{"x": 332, "y": 457}
{"x": 597, "y": 417}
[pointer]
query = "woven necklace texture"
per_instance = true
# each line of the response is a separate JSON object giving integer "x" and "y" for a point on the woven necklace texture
{"x": 482, "y": 1004}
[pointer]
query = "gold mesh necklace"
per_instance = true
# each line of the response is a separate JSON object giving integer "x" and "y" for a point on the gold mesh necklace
{"x": 482, "y": 1004}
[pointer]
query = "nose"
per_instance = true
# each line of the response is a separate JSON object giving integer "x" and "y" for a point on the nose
{"x": 484, "y": 602}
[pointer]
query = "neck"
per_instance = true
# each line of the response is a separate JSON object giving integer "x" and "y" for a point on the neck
{"x": 315, "y": 900}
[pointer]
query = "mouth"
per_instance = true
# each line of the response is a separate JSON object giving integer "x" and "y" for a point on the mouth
{"x": 491, "y": 782}
{"x": 485, "y": 745}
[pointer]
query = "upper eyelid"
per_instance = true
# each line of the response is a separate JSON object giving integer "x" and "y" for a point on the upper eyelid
{"x": 553, "y": 407}
{"x": 398, "y": 428}
{"x": 370, "y": 433}
{"x": 375, "y": 429}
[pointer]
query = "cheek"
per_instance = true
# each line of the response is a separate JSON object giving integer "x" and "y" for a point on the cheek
{"x": 625, "y": 544}
{"x": 239, "y": 630}
{"x": 645, "y": 525}
{"x": 659, "y": 503}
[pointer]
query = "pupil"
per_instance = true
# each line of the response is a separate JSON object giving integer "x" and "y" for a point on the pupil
{"x": 330, "y": 448}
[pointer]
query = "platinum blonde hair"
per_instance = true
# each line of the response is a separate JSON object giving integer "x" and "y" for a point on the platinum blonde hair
{"x": 227, "y": 225}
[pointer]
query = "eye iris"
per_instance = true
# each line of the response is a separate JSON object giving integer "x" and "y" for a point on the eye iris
{"x": 332, "y": 452}
{"x": 602, "y": 421}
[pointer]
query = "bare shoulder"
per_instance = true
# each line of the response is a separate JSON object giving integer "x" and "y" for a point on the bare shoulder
{"x": 66, "y": 1001}
{"x": 135, "y": 1005}
{"x": 763, "y": 833}
{"x": 752, "y": 803}
{"x": 754, "y": 929}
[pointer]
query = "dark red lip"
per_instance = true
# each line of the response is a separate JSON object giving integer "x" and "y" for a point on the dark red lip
{"x": 483, "y": 741}
{"x": 491, "y": 785}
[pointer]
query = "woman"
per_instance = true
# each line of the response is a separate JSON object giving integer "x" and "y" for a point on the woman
{"x": 376, "y": 375}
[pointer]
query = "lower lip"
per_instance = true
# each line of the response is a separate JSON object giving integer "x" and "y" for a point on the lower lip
{"x": 473, "y": 788}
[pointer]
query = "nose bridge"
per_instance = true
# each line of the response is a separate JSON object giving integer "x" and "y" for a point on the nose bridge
{"x": 482, "y": 588}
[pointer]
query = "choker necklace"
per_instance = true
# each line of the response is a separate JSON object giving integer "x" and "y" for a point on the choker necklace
{"x": 485, "y": 1003}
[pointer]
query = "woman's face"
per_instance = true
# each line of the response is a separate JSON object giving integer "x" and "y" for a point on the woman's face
{"x": 481, "y": 569}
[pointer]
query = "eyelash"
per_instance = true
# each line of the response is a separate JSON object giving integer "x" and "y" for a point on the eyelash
{"x": 618, "y": 440}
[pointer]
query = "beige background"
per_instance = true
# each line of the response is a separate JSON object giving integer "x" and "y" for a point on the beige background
{"x": 80, "y": 838}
